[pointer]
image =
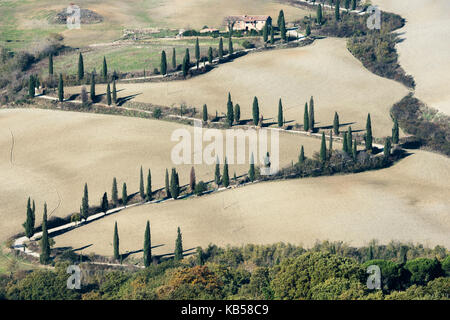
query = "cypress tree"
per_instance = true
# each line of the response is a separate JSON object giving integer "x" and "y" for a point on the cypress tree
{"x": 221, "y": 48}
{"x": 92, "y": 92}
{"x": 387, "y": 147}
{"x": 323, "y": 149}
{"x": 163, "y": 63}
{"x": 80, "y": 67}
{"x": 147, "y": 246}
{"x": 369, "y": 134}
{"x": 319, "y": 14}
{"x": 272, "y": 36}
{"x": 114, "y": 92}
{"x": 104, "y": 70}
{"x": 167, "y": 185}
{"x": 124, "y": 194}
{"x": 280, "y": 114}
{"x": 205, "y": 113}
{"x": 85, "y": 203}
{"x": 33, "y": 215}
{"x": 187, "y": 57}
{"x": 148, "y": 193}
{"x": 330, "y": 148}
{"x": 114, "y": 193}
{"x": 210, "y": 55}
{"x": 60, "y": 89}
{"x": 353, "y": 4}
{"x": 174, "y": 186}
{"x": 301, "y": 157}
{"x": 174, "y": 59}
{"x": 116, "y": 242}
{"x": 347, "y": 4}
{"x": 226, "y": 178}
{"x": 237, "y": 113}
{"x": 308, "y": 31}
{"x": 104, "y": 204}
{"x": 255, "y": 111}
{"x": 395, "y": 132}
{"x": 45, "y": 244}
{"x": 283, "y": 30}
{"x": 349, "y": 139}
{"x": 345, "y": 143}
{"x": 28, "y": 224}
{"x": 200, "y": 258}
{"x": 265, "y": 33}
{"x": 185, "y": 67}
{"x": 311, "y": 115}
{"x": 230, "y": 46}
{"x": 217, "y": 172}
{"x": 192, "y": 181}
{"x": 178, "y": 246}
{"x": 336, "y": 124}
{"x": 251, "y": 171}
{"x": 280, "y": 17}
{"x": 108, "y": 94}
{"x": 50, "y": 64}
{"x": 354, "y": 150}
{"x": 306, "y": 118}
{"x": 230, "y": 112}
{"x": 141, "y": 184}
{"x": 197, "y": 51}
{"x": 337, "y": 10}
{"x": 31, "y": 87}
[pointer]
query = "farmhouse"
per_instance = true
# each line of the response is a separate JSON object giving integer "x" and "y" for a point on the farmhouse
{"x": 247, "y": 23}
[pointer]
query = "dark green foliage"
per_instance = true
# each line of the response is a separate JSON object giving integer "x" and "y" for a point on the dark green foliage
{"x": 141, "y": 184}
{"x": 353, "y": 4}
{"x": 31, "y": 86}
{"x": 226, "y": 177}
{"x": 237, "y": 113}
{"x": 337, "y": 12}
{"x": 217, "y": 178}
{"x": 347, "y": 4}
{"x": 147, "y": 246}
{"x": 197, "y": 51}
{"x": 60, "y": 88}
{"x": 210, "y": 55}
{"x": 174, "y": 184}
{"x": 200, "y": 188}
{"x": 50, "y": 64}
{"x": 330, "y": 148}
{"x": 80, "y": 67}
{"x": 319, "y": 15}
{"x": 323, "y": 149}
{"x": 104, "y": 203}
{"x": 395, "y": 132}
{"x": 108, "y": 95}
{"x": 114, "y": 193}
{"x": 393, "y": 275}
{"x": 148, "y": 192}
{"x": 265, "y": 33}
{"x": 29, "y": 222}
{"x": 446, "y": 265}
{"x": 187, "y": 56}
{"x": 424, "y": 270}
{"x": 311, "y": 115}
{"x": 230, "y": 46}
{"x": 124, "y": 194}
{"x": 251, "y": 171}
{"x": 283, "y": 30}
{"x": 178, "y": 255}
{"x": 205, "y": 113}
{"x": 280, "y": 114}
{"x": 345, "y": 143}
{"x": 280, "y": 18}
{"x": 199, "y": 255}
{"x": 174, "y": 59}
{"x": 308, "y": 30}
{"x": 368, "y": 137}
{"x": 185, "y": 66}
{"x": 387, "y": 147}
{"x": 306, "y": 118}
{"x": 163, "y": 65}
{"x": 114, "y": 92}
{"x": 44, "y": 257}
{"x": 192, "y": 181}
{"x": 116, "y": 242}
{"x": 336, "y": 124}
{"x": 301, "y": 157}
{"x": 230, "y": 112}
{"x": 104, "y": 70}
{"x": 255, "y": 111}
{"x": 92, "y": 92}
{"x": 167, "y": 185}
{"x": 85, "y": 203}
{"x": 272, "y": 36}
{"x": 355, "y": 150}
{"x": 349, "y": 139}
{"x": 221, "y": 48}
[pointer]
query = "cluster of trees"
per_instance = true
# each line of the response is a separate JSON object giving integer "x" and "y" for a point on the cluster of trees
{"x": 279, "y": 271}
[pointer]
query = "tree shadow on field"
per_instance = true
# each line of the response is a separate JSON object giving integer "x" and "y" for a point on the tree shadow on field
{"x": 129, "y": 253}
{"x": 331, "y": 126}
{"x": 186, "y": 253}
{"x": 122, "y": 100}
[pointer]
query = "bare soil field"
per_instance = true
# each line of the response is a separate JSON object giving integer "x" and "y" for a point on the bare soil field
{"x": 425, "y": 49}
{"x": 325, "y": 70}
{"x": 49, "y": 155}
{"x": 407, "y": 202}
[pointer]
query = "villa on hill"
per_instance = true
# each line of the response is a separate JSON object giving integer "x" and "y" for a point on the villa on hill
{"x": 247, "y": 23}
